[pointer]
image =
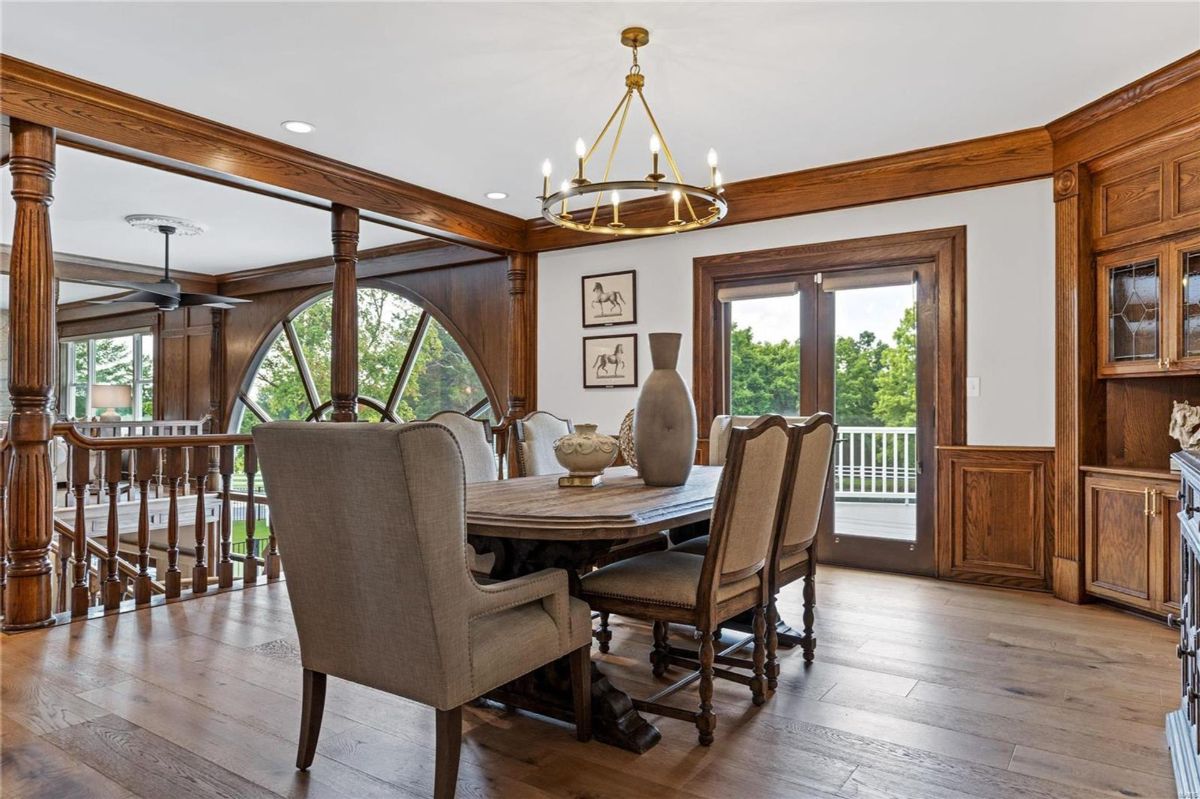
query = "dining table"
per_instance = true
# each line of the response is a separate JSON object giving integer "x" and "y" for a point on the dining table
{"x": 531, "y": 523}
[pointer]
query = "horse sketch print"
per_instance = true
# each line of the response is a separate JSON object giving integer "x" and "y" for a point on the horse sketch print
{"x": 601, "y": 299}
{"x": 609, "y": 299}
{"x": 610, "y": 361}
{"x": 614, "y": 361}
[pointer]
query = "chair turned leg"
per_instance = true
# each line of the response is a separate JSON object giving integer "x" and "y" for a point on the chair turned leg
{"x": 603, "y": 635}
{"x": 660, "y": 658}
{"x": 706, "y": 720}
{"x": 581, "y": 691}
{"x": 449, "y": 742}
{"x": 310, "y": 718}
{"x": 810, "y": 603}
{"x": 758, "y": 684}
{"x": 772, "y": 646}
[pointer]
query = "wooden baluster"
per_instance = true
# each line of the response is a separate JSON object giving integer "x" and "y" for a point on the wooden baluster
{"x": 174, "y": 473}
{"x": 250, "y": 567}
{"x": 81, "y": 475}
{"x": 225, "y": 566}
{"x": 147, "y": 465}
{"x": 3, "y": 522}
{"x": 200, "y": 475}
{"x": 112, "y": 580}
{"x": 274, "y": 566}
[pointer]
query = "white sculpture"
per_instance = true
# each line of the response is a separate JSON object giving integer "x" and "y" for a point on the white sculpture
{"x": 1185, "y": 425}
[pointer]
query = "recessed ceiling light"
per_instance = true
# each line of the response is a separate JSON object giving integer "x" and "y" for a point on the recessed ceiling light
{"x": 297, "y": 126}
{"x": 496, "y": 195}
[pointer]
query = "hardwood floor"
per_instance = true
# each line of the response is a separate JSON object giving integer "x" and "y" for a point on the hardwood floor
{"x": 920, "y": 689}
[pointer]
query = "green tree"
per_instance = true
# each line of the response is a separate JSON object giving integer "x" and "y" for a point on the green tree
{"x": 858, "y": 362}
{"x": 895, "y": 401}
{"x": 764, "y": 376}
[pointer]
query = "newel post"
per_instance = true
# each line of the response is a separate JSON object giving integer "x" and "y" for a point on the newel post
{"x": 344, "y": 369}
{"x": 32, "y": 368}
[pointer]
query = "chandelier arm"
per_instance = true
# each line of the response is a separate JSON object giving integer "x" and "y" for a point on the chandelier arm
{"x": 667, "y": 150}
{"x": 613, "y": 152}
{"x": 596, "y": 143}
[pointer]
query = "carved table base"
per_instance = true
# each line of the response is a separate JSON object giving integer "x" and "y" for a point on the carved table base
{"x": 548, "y": 690}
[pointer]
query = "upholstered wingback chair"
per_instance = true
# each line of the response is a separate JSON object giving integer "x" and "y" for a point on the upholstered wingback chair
{"x": 535, "y": 435}
{"x": 370, "y": 520}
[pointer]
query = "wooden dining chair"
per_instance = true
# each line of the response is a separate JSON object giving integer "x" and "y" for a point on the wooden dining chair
{"x": 535, "y": 436}
{"x": 474, "y": 439}
{"x": 732, "y": 577}
{"x": 793, "y": 555}
{"x": 371, "y": 525}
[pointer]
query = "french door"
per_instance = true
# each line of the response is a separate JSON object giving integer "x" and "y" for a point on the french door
{"x": 881, "y": 390}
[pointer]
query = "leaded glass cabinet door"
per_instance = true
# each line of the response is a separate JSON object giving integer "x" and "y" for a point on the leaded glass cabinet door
{"x": 1131, "y": 312}
{"x": 1185, "y": 322}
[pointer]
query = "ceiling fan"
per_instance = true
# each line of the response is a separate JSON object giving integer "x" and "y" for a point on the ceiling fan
{"x": 166, "y": 294}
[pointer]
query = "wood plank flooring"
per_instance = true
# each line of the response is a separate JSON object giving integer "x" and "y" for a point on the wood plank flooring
{"x": 921, "y": 689}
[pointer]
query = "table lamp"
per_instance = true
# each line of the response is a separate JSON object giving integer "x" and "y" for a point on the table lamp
{"x": 111, "y": 397}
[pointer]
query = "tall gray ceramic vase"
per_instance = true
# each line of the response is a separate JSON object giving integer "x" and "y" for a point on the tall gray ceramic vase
{"x": 664, "y": 421}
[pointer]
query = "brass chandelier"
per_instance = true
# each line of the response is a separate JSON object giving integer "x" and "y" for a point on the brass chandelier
{"x": 685, "y": 206}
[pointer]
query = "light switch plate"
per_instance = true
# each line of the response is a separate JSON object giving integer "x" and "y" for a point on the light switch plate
{"x": 972, "y": 386}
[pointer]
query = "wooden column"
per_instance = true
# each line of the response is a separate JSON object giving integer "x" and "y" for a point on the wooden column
{"x": 522, "y": 320}
{"x": 344, "y": 368}
{"x": 1079, "y": 401}
{"x": 32, "y": 368}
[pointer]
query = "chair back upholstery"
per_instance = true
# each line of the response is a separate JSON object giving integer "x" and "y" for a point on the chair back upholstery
{"x": 370, "y": 520}
{"x": 536, "y": 434}
{"x": 804, "y": 494}
{"x": 718, "y": 434}
{"x": 474, "y": 437}
{"x": 747, "y": 505}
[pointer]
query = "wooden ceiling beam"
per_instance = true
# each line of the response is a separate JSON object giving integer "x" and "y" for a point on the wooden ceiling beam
{"x": 110, "y": 118}
{"x": 978, "y": 163}
{"x": 84, "y": 269}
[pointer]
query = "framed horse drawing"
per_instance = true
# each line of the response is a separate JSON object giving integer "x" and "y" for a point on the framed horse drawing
{"x": 610, "y": 299}
{"x": 610, "y": 361}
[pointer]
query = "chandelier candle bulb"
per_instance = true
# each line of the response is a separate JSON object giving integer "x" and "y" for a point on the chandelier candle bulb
{"x": 676, "y": 196}
{"x": 580, "y": 153}
{"x": 546, "y": 170}
{"x": 655, "y": 147}
{"x": 616, "y": 204}
{"x": 564, "y": 188}
{"x": 712, "y": 167}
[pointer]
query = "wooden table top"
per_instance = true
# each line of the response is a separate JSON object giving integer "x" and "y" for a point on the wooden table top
{"x": 622, "y": 507}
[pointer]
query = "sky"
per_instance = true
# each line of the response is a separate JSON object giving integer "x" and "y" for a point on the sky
{"x": 876, "y": 309}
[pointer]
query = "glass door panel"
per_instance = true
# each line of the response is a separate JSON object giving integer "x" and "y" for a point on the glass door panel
{"x": 1133, "y": 312}
{"x": 1190, "y": 305}
{"x": 764, "y": 356}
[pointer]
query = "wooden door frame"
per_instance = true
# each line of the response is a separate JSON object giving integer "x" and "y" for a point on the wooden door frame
{"x": 943, "y": 249}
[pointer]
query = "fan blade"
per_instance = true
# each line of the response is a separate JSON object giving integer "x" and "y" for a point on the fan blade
{"x": 160, "y": 288}
{"x": 152, "y": 297}
{"x": 215, "y": 300}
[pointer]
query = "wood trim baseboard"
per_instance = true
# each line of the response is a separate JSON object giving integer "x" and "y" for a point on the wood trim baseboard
{"x": 978, "y": 163}
{"x": 112, "y": 120}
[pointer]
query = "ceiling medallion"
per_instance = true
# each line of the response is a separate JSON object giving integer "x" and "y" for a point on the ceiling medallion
{"x": 684, "y": 206}
{"x": 156, "y": 222}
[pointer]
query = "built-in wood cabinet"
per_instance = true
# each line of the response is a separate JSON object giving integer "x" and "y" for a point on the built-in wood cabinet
{"x": 1131, "y": 538}
{"x": 1148, "y": 317}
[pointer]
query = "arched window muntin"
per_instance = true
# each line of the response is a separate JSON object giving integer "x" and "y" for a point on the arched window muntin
{"x": 430, "y": 323}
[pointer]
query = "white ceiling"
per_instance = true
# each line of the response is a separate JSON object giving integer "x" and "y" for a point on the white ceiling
{"x": 470, "y": 97}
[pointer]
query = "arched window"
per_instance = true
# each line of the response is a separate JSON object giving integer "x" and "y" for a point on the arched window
{"x": 409, "y": 366}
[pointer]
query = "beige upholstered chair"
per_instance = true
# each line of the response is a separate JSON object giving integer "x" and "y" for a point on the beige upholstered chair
{"x": 732, "y": 577}
{"x": 370, "y": 522}
{"x": 535, "y": 437}
{"x": 474, "y": 438}
{"x": 794, "y": 555}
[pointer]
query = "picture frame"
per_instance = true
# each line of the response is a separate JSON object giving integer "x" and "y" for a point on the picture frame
{"x": 609, "y": 299}
{"x": 610, "y": 361}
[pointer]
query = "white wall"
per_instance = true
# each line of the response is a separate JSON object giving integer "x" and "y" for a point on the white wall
{"x": 1010, "y": 301}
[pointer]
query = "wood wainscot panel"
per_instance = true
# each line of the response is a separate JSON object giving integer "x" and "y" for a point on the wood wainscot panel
{"x": 996, "y": 515}
{"x": 1128, "y": 202}
{"x": 182, "y": 373}
{"x": 1185, "y": 185}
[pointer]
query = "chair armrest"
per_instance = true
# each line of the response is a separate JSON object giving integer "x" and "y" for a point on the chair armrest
{"x": 548, "y": 585}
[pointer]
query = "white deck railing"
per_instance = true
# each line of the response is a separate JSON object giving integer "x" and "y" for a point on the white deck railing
{"x": 876, "y": 463}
